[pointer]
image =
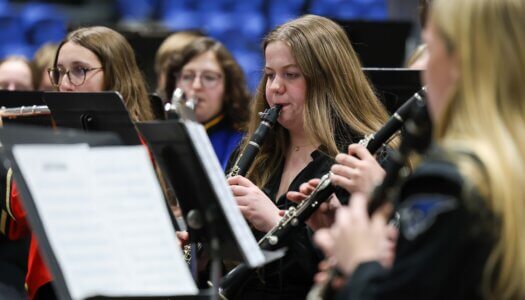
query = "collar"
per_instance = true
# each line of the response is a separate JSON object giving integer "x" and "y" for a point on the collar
{"x": 214, "y": 121}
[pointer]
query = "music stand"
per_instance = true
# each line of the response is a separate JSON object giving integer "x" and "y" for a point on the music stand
{"x": 176, "y": 155}
{"x": 102, "y": 111}
{"x": 17, "y": 135}
{"x": 157, "y": 106}
{"x": 394, "y": 86}
{"x": 10, "y": 99}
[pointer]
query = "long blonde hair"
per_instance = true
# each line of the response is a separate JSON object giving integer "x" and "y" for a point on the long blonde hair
{"x": 486, "y": 116}
{"x": 340, "y": 103}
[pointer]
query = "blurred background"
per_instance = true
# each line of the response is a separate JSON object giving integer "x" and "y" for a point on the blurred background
{"x": 383, "y": 32}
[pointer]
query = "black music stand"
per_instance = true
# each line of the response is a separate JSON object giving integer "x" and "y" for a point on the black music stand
{"x": 102, "y": 111}
{"x": 394, "y": 86}
{"x": 10, "y": 99}
{"x": 17, "y": 135}
{"x": 176, "y": 155}
{"x": 157, "y": 106}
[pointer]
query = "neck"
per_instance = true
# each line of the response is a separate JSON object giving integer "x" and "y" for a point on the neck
{"x": 300, "y": 143}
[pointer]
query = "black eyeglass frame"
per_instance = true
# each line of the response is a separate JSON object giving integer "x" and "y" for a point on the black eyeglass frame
{"x": 58, "y": 82}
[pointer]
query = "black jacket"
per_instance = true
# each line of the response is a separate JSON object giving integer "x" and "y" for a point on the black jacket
{"x": 446, "y": 235}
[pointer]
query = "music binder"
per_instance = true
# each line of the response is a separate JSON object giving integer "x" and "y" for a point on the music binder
{"x": 97, "y": 111}
{"x": 82, "y": 202}
{"x": 184, "y": 153}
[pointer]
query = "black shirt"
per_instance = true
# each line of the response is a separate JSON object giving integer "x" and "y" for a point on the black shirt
{"x": 446, "y": 236}
{"x": 291, "y": 276}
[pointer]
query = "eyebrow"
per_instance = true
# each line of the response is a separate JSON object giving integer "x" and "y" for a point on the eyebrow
{"x": 76, "y": 62}
{"x": 284, "y": 67}
{"x": 202, "y": 71}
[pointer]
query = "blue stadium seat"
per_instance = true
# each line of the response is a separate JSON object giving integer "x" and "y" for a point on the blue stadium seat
{"x": 252, "y": 25}
{"x": 250, "y": 6}
{"x": 169, "y": 7}
{"x": 328, "y": 8}
{"x": 347, "y": 10}
{"x": 218, "y": 24}
{"x": 21, "y": 49}
{"x": 277, "y": 19}
{"x": 183, "y": 20}
{"x": 42, "y": 23}
{"x": 282, "y": 11}
{"x": 214, "y": 5}
{"x": 289, "y": 6}
{"x": 376, "y": 10}
{"x": 252, "y": 64}
{"x": 136, "y": 10}
{"x": 10, "y": 26}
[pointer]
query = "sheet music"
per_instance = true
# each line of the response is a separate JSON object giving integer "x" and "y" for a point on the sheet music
{"x": 105, "y": 217}
{"x": 250, "y": 249}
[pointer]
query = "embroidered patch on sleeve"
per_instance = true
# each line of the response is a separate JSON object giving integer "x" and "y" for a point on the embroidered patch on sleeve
{"x": 418, "y": 213}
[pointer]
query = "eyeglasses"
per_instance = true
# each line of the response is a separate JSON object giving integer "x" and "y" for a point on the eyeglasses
{"x": 76, "y": 75}
{"x": 208, "y": 79}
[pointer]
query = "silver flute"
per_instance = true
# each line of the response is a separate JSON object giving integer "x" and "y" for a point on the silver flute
{"x": 13, "y": 112}
{"x": 22, "y": 111}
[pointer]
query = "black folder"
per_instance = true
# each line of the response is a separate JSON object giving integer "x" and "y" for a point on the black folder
{"x": 102, "y": 111}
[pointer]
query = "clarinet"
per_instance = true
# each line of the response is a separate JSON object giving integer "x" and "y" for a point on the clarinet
{"x": 295, "y": 216}
{"x": 417, "y": 131}
{"x": 245, "y": 159}
{"x": 298, "y": 215}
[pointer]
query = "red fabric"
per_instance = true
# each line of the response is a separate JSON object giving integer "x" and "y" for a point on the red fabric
{"x": 37, "y": 272}
{"x": 18, "y": 228}
{"x": 145, "y": 144}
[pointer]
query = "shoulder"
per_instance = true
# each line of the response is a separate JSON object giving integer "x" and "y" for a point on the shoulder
{"x": 433, "y": 191}
{"x": 435, "y": 174}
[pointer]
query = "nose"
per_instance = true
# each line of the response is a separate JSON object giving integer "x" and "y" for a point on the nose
{"x": 276, "y": 85}
{"x": 66, "y": 85}
{"x": 197, "y": 83}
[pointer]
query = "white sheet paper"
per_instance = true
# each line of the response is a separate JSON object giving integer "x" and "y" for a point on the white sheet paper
{"x": 105, "y": 217}
{"x": 249, "y": 247}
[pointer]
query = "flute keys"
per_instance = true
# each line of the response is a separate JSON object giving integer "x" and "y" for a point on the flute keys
{"x": 273, "y": 240}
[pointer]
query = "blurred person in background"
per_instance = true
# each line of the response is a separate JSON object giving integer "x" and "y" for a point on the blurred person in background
{"x": 16, "y": 74}
{"x": 43, "y": 60}
{"x": 170, "y": 47}
{"x": 207, "y": 72}
{"x": 461, "y": 211}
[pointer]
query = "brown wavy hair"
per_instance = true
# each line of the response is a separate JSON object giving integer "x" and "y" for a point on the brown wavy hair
{"x": 236, "y": 94}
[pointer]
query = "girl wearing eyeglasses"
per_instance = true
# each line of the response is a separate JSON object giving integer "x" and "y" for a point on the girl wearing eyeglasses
{"x": 208, "y": 73}
{"x": 95, "y": 59}
{"x": 90, "y": 59}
